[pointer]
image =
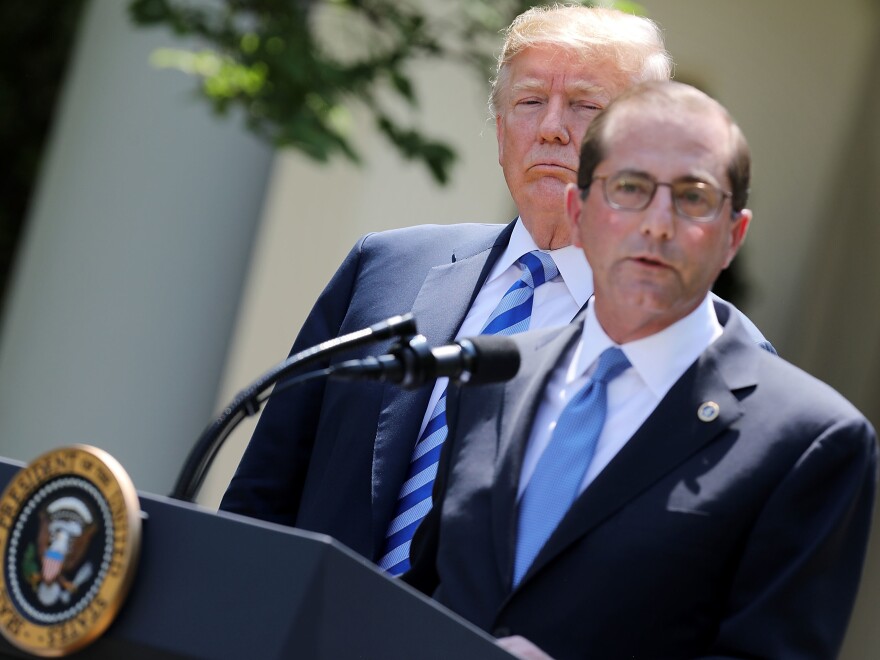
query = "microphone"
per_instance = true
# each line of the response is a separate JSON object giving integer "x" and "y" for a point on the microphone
{"x": 471, "y": 361}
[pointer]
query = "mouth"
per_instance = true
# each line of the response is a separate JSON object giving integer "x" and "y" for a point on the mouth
{"x": 552, "y": 166}
{"x": 649, "y": 261}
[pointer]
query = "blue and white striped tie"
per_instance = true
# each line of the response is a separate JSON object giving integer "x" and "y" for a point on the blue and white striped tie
{"x": 512, "y": 315}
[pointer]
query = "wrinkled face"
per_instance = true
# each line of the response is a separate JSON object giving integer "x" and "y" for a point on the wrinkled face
{"x": 653, "y": 267}
{"x": 548, "y": 102}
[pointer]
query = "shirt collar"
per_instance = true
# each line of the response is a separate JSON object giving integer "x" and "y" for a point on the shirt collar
{"x": 570, "y": 261}
{"x": 659, "y": 359}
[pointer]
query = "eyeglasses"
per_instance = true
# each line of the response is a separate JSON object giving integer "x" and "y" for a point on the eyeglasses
{"x": 633, "y": 191}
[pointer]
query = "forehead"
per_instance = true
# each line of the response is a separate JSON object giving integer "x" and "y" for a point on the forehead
{"x": 669, "y": 143}
{"x": 546, "y": 65}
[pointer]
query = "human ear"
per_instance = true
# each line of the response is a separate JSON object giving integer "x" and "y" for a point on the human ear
{"x": 739, "y": 228}
{"x": 573, "y": 206}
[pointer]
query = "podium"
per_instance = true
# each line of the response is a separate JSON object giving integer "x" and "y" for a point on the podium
{"x": 217, "y": 586}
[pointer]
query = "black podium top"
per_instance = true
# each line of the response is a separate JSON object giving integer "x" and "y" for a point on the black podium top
{"x": 216, "y": 585}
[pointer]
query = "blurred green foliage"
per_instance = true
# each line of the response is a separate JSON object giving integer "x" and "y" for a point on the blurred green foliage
{"x": 297, "y": 67}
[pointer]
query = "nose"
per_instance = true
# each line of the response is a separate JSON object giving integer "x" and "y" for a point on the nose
{"x": 553, "y": 127}
{"x": 658, "y": 218}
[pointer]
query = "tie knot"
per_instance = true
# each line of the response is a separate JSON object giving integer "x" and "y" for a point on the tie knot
{"x": 612, "y": 363}
{"x": 539, "y": 268}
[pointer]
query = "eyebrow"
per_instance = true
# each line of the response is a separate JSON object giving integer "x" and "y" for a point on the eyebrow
{"x": 697, "y": 177}
{"x": 700, "y": 177}
{"x": 580, "y": 87}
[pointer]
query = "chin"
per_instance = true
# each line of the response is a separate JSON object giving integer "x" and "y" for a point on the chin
{"x": 555, "y": 179}
{"x": 541, "y": 196}
{"x": 648, "y": 299}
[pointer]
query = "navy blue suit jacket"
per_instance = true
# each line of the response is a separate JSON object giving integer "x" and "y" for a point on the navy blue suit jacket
{"x": 330, "y": 457}
{"x": 742, "y": 537}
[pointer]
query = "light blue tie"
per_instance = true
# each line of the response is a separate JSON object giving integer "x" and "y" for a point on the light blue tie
{"x": 557, "y": 477}
{"x": 512, "y": 315}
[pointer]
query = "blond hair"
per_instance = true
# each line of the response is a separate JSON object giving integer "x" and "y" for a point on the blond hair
{"x": 633, "y": 45}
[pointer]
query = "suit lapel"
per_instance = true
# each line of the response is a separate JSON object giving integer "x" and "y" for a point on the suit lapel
{"x": 522, "y": 397}
{"x": 439, "y": 308}
{"x": 673, "y": 433}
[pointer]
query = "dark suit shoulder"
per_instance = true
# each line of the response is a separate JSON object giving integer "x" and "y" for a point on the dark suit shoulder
{"x": 792, "y": 384}
{"x": 784, "y": 390}
{"x": 417, "y": 239}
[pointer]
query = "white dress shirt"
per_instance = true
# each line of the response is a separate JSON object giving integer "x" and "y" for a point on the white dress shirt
{"x": 555, "y": 302}
{"x": 657, "y": 363}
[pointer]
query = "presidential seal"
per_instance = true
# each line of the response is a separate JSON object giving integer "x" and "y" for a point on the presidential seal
{"x": 70, "y": 531}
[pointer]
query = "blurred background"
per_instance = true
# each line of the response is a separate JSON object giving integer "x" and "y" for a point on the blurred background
{"x": 156, "y": 256}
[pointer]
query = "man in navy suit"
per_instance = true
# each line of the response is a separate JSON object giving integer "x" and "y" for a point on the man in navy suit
{"x": 331, "y": 457}
{"x": 720, "y": 505}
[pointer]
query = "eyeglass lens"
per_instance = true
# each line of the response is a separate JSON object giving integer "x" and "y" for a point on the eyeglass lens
{"x": 633, "y": 191}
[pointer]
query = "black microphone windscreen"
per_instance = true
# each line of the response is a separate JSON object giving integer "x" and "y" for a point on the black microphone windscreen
{"x": 497, "y": 359}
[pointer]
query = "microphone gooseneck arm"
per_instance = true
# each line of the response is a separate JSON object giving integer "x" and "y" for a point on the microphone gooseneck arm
{"x": 248, "y": 402}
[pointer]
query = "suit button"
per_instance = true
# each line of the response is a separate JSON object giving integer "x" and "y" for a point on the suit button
{"x": 501, "y": 631}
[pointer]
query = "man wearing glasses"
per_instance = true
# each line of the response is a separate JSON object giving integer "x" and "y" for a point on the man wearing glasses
{"x": 356, "y": 460}
{"x": 656, "y": 486}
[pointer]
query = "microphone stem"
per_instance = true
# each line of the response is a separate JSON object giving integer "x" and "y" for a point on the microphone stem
{"x": 247, "y": 403}
{"x": 200, "y": 457}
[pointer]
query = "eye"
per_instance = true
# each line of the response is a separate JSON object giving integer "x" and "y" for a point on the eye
{"x": 528, "y": 101}
{"x": 630, "y": 186}
{"x": 696, "y": 197}
{"x": 629, "y": 190}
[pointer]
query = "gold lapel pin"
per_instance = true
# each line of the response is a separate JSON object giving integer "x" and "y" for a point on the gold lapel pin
{"x": 708, "y": 411}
